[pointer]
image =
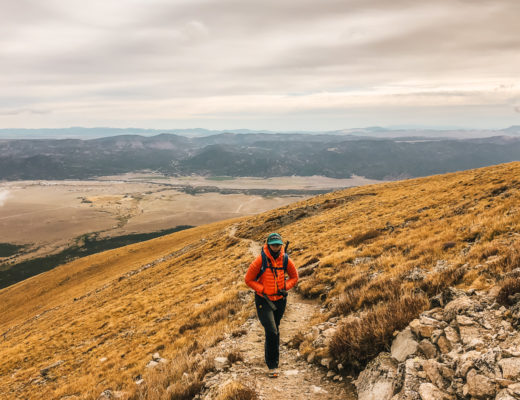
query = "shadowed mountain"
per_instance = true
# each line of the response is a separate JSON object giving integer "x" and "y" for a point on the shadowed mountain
{"x": 260, "y": 155}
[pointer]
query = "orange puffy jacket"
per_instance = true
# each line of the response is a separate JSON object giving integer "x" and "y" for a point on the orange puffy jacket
{"x": 268, "y": 283}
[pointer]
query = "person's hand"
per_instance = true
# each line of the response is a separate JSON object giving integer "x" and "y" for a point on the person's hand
{"x": 282, "y": 292}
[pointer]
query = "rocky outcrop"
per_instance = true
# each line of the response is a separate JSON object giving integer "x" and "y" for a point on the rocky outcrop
{"x": 467, "y": 350}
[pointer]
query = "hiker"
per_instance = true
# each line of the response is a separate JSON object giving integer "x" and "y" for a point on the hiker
{"x": 266, "y": 276}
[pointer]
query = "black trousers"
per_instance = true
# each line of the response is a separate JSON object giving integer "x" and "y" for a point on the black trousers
{"x": 270, "y": 320}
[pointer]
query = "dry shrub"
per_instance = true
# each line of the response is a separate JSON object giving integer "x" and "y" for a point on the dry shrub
{"x": 237, "y": 391}
{"x": 437, "y": 282}
{"x": 361, "y": 339}
{"x": 365, "y": 296}
{"x": 311, "y": 288}
{"x": 181, "y": 379}
{"x": 239, "y": 332}
{"x": 448, "y": 245}
{"x": 234, "y": 356}
{"x": 489, "y": 250}
{"x": 363, "y": 237}
{"x": 296, "y": 341}
{"x": 508, "y": 288}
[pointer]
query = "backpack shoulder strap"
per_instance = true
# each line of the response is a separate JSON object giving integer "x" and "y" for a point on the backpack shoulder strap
{"x": 265, "y": 264}
{"x": 285, "y": 262}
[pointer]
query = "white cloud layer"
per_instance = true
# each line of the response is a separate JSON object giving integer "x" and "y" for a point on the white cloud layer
{"x": 234, "y": 63}
{"x": 4, "y": 194}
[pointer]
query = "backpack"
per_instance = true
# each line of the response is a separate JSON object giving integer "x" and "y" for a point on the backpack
{"x": 267, "y": 263}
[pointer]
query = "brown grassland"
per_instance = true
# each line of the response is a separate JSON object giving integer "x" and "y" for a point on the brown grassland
{"x": 105, "y": 315}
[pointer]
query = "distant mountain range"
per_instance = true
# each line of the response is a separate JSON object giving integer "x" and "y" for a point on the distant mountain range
{"x": 375, "y": 131}
{"x": 338, "y": 155}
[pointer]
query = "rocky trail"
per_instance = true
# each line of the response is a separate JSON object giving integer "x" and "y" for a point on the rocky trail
{"x": 298, "y": 379}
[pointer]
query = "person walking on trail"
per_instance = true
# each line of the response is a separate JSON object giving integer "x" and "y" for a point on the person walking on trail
{"x": 266, "y": 276}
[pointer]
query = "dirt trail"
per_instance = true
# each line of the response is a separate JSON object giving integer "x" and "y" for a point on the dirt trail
{"x": 298, "y": 379}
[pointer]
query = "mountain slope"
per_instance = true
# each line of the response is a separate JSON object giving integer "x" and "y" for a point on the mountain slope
{"x": 263, "y": 155}
{"x": 374, "y": 256}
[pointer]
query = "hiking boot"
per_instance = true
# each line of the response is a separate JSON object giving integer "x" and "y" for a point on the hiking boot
{"x": 273, "y": 373}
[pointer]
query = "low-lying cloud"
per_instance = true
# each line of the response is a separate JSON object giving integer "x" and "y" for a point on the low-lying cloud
{"x": 4, "y": 194}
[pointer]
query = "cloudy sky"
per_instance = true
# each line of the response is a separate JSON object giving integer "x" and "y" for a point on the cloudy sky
{"x": 270, "y": 64}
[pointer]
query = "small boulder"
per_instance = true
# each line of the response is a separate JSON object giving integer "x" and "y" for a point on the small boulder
{"x": 221, "y": 363}
{"x": 404, "y": 345}
{"x": 379, "y": 379}
{"x": 428, "y": 349}
{"x": 427, "y": 391}
{"x": 480, "y": 386}
{"x": 510, "y": 368}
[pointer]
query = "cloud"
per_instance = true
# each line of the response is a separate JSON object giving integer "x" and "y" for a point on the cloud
{"x": 23, "y": 111}
{"x": 86, "y": 64}
{"x": 517, "y": 109}
{"x": 4, "y": 194}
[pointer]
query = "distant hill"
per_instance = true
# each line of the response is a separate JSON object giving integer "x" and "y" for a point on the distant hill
{"x": 252, "y": 154}
{"x": 373, "y": 257}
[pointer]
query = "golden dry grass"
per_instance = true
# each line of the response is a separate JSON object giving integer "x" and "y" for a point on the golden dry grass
{"x": 457, "y": 229}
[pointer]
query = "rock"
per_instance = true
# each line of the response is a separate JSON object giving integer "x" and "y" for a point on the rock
{"x": 467, "y": 361}
{"x": 109, "y": 395}
{"x": 45, "y": 371}
{"x": 464, "y": 320}
{"x": 427, "y": 391}
{"x": 362, "y": 260}
{"x": 504, "y": 395}
{"x": 221, "y": 363}
{"x": 431, "y": 367}
{"x": 379, "y": 379}
{"x": 420, "y": 329}
{"x": 429, "y": 350}
{"x": 330, "y": 374}
{"x": 106, "y": 395}
{"x": 291, "y": 372}
{"x": 510, "y": 368}
{"x": 480, "y": 386}
{"x": 311, "y": 357}
{"x": 514, "y": 389}
{"x": 318, "y": 390}
{"x": 468, "y": 334}
{"x": 458, "y": 306}
{"x": 139, "y": 382}
{"x": 444, "y": 344}
{"x": 452, "y": 335}
{"x": 152, "y": 364}
{"x": 404, "y": 345}
{"x": 156, "y": 357}
{"x": 326, "y": 362}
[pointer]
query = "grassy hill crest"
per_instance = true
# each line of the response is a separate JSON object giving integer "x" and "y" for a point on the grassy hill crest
{"x": 374, "y": 256}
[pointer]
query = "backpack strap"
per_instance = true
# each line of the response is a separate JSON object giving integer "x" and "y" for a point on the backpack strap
{"x": 266, "y": 263}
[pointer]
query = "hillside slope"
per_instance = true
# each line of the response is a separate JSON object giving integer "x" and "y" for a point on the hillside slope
{"x": 379, "y": 253}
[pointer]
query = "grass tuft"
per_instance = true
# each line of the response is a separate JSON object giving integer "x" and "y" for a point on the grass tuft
{"x": 361, "y": 339}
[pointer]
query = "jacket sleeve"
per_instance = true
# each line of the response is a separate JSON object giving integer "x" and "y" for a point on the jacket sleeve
{"x": 293, "y": 275}
{"x": 252, "y": 272}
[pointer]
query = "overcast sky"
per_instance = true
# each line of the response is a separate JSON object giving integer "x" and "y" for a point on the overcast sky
{"x": 271, "y": 64}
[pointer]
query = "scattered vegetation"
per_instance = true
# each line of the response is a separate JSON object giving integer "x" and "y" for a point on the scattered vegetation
{"x": 396, "y": 262}
{"x": 237, "y": 391}
{"x": 8, "y": 249}
{"x": 509, "y": 288}
{"x": 362, "y": 338}
{"x": 85, "y": 245}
